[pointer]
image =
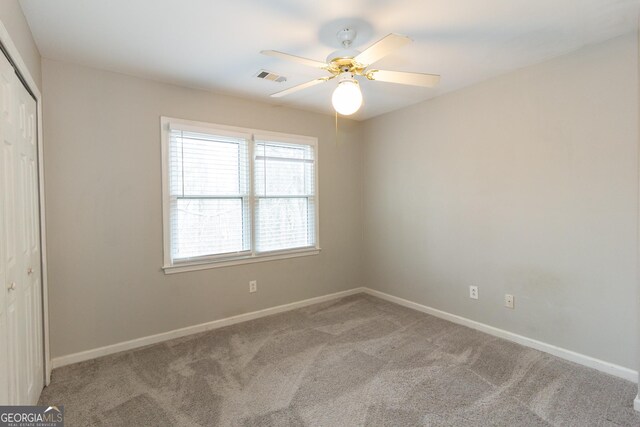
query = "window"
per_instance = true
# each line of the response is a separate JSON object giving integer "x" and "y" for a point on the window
{"x": 235, "y": 195}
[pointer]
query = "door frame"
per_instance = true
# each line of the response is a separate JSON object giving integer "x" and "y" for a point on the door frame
{"x": 16, "y": 59}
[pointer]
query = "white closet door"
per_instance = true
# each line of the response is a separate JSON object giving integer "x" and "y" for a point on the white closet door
{"x": 12, "y": 228}
{"x": 6, "y": 198}
{"x": 21, "y": 376}
{"x": 30, "y": 246}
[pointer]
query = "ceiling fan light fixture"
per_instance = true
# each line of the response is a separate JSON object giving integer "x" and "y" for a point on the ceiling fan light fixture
{"x": 347, "y": 63}
{"x": 347, "y": 97}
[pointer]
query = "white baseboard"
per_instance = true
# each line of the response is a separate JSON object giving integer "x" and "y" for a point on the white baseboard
{"x": 572, "y": 356}
{"x": 600, "y": 365}
{"x": 189, "y": 330}
{"x": 636, "y": 403}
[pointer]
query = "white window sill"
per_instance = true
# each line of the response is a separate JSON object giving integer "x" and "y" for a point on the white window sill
{"x": 205, "y": 265}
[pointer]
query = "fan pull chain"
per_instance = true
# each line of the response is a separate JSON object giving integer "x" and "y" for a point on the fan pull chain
{"x": 336, "y": 128}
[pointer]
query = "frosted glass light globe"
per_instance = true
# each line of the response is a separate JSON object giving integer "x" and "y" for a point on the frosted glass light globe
{"x": 347, "y": 98}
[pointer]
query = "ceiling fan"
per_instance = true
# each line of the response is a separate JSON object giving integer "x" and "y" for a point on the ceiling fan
{"x": 346, "y": 64}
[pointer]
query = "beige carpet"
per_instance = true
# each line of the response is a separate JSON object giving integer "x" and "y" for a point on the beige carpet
{"x": 351, "y": 362}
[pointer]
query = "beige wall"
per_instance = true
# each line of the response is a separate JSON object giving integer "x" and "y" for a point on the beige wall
{"x": 525, "y": 184}
{"x": 103, "y": 193}
{"x": 14, "y": 21}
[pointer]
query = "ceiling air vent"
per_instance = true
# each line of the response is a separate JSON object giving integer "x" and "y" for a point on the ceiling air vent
{"x": 268, "y": 75}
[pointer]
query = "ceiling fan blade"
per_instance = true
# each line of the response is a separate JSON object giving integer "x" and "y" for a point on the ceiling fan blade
{"x": 301, "y": 86}
{"x": 294, "y": 58}
{"x": 382, "y": 48}
{"x": 404, "y": 78}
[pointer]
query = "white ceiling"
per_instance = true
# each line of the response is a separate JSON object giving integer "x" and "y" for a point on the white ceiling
{"x": 215, "y": 44}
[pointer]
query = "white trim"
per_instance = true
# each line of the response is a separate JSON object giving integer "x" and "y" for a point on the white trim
{"x": 200, "y": 126}
{"x": 166, "y": 229}
{"x": 219, "y": 131}
{"x": 253, "y": 226}
{"x": 316, "y": 198}
{"x": 14, "y": 53}
{"x": 205, "y": 265}
{"x": 588, "y": 361}
{"x": 636, "y": 403}
{"x": 572, "y": 356}
{"x": 177, "y": 333}
{"x": 266, "y": 136}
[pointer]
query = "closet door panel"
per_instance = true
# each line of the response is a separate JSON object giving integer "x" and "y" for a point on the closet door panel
{"x": 12, "y": 229}
{"x": 34, "y": 270}
{"x": 11, "y": 287}
{"x": 30, "y": 252}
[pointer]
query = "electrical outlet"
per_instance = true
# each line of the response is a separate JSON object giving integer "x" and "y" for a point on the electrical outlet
{"x": 253, "y": 286}
{"x": 508, "y": 301}
{"x": 473, "y": 292}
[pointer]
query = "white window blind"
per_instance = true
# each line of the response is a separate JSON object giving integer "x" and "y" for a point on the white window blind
{"x": 209, "y": 190}
{"x": 285, "y": 195}
{"x": 233, "y": 194}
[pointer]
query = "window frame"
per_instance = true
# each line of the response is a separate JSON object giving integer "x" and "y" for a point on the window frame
{"x": 225, "y": 260}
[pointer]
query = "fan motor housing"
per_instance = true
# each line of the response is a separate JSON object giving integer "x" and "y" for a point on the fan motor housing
{"x": 342, "y": 61}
